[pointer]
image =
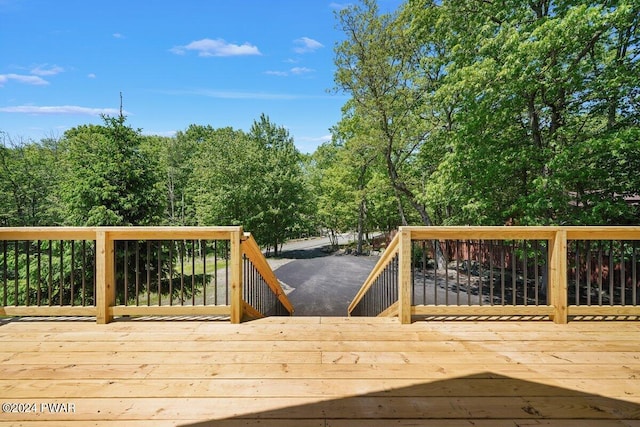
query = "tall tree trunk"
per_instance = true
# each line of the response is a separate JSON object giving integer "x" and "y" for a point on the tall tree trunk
{"x": 362, "y": 210}
{"x": 401, "y": 188}
{"x": 403, "y": 218}
{"x": 361, "y": 218}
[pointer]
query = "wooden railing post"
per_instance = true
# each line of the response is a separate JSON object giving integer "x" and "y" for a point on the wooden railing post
{"x": 404, "y": 276}
{"x": 558, "y": 276}
{"x": 105, "y": 277}
{"x": 237, "y": 302}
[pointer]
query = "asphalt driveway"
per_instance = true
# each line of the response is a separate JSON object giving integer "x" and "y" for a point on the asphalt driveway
{"x": 321, "y": 283}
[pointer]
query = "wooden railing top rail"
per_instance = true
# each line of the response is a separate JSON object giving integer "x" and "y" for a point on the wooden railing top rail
{"x": 106, "y": 237}
{"x": 557, "y": 236}
{"x": 524, "y": 232}
{"x": 117, "y": 233}
{"x": 387, "y": 256}
{"x": 603, "y": 233}
{"x": 251, "y": 249}
{"x": 48, "y": 233}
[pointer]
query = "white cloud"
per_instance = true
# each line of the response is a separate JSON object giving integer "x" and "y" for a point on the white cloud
{"x": 293, "y": 71}
{"x": 319, "y": 140}
{"x": 46, "y": 70}
{"x": 306, "y": 45}
{"x": 21, "y": 78}
{"x": 91, "y": 76}
{"x": 61, "y": 109}
{"x": 301, "y": 70}
{"x": 218, "y": 47}
{"x": 118, "y": 36}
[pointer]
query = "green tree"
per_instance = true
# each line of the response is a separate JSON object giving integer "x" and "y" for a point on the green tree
{"x": 174, "y": 156}
{"x": 109, "y": 179}
{"x": 282, "y": 188}
{"x": 251, "y": 179}
{"x": 225, "y": 178}
{"x": 329, "y": 215}
{"x": 527, "y": 85}
{"x": 376, "y": 65}
{"x": 29, "y": 178}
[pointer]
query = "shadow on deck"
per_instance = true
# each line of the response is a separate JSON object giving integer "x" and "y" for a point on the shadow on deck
{"x": 485, "y": 399}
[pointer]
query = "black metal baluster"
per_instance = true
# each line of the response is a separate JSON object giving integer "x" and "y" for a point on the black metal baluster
{"x": 60, "y": 271}
{"x": 125, "y": 272}
{"x": 204, "y": 271}
{"x": 588, "y": 268}
{"x": 611, "y": 278}
{"x": 171, "y": 243}
{"x": 137, "y": 270}
{"x": 193, "y": 272}
{"x": 424, "y": 273}
{"x": 634, "y": 273}
{"x": 623, "y": 281}
{"x": 72, "y": 274}
{"x": 536, "y": 272}
{"x": 227, "y": 250}
{"x": 480, "y": 271}
{"x": 446, "y": 273}
{"x": 457, "y": 272}
{"x": 182, "y": 249}
{"x": 84, "y": 272}
{"x": 5, "y": 273}
{"x": 27, "y": 267}
{"x": 514, "y": 273}
{"x": 525, "y": 275}
{"x": 601, "y": 272}
{"x": 148, "y": 268}
{"x": 215, "y": 275}
{"x": 159, "y": 249}
{"x": 50, "y": 282}
{"x": 491, "y": 275}
{"x": 468, "y": 243}
{"x": 95, "y": 282}
{"x": 503, "y": 284}
{"x": 16, "y": 245}
{"x": 38, "y": 291}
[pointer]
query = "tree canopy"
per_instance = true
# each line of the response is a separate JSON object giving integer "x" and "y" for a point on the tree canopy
{"x": 500, "y": 112}
{"x": 458, "y": 112}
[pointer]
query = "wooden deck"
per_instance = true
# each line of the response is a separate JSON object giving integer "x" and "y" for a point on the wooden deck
{"x": 299, "y": 372}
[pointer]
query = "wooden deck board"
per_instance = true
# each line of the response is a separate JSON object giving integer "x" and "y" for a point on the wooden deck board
{"x": 321, "y": 372}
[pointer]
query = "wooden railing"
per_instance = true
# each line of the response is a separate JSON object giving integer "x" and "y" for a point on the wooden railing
{"x": 263, "y": 294}
{"x": 133, "y": 271}
{"x": 553, "y": 272}
{"x": 377, "y": 296}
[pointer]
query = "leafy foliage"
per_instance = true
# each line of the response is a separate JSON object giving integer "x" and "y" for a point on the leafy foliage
{"x": 500, "y": 112}
{"x": 28, "y": 179}
{"x": 109, "y": 180}
{"x": 460, "y": 112}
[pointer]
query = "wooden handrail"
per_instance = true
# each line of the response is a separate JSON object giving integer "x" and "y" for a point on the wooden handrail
{"x": 242, "y": 243}
{"x": 105, "y": 238}
{"x": 557, "y": 238}
{"x": 116, "y": 233}
{"x": 48, "y": 233}
{"x": 382, "y": 263}
{"x": 481, "y": 233}
{"x": 252, "y": 251}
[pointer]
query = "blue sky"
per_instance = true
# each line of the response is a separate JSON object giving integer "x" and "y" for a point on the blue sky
{"x": 209, "y": 62}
